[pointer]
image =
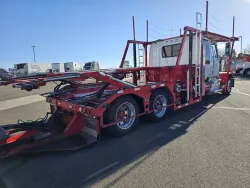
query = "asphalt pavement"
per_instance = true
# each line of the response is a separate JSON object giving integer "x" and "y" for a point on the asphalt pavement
{"x": 204, "y": 145}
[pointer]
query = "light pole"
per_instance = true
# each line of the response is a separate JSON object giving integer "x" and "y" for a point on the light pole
{"x": 34, "y": 53}
{"x": 240, "y": 44}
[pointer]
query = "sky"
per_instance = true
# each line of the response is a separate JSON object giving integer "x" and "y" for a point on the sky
{"x": 87, "y": 30}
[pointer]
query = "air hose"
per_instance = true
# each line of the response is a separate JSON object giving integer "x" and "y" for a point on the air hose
{"x": 33, "y": 121}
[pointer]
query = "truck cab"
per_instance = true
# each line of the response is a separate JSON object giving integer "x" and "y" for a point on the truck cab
{"x": 164, "y": 53}
{"x": 212, "y": 61}
{"x": 94, "y": 65}
{"x": 72, "y": 67}
{"x": 20, "y": 69}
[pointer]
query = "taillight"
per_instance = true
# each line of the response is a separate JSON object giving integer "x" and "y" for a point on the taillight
{"x": 87, "y": 111}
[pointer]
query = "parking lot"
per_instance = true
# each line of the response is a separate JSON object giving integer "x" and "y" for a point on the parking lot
{"x": 204, "y": 145}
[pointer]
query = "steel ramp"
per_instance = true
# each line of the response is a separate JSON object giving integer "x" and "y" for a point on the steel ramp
{"x": 72, "y": 143}
{"x": 54, "y": 143}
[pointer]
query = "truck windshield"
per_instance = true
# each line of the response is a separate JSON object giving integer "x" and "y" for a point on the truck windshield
{"x": 214, "y": 51}
{"x": 87, "y": 66}
{"x": 20, "y": 66}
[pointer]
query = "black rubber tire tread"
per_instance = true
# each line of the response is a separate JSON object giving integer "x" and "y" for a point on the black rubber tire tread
{"x": 152, "y": 117}
{"x": 109, "y": 115}
{"x": 245, "y": 72}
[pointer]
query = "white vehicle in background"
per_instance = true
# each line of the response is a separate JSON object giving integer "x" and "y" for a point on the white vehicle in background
{"x": 58, "y": 67}
{"x": 245, "y": 71}
{"x": 3, "y": 74}
{"x": 64, "y": 67}
{"x": 93, "y": 65}
{"x": 127, "y": 65}
{"x": 72, "y": 67}
{"x": 237, "y": 65}
{"x": 24, "y": 69}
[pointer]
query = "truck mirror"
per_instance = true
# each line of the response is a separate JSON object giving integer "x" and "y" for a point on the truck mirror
{"x": 227, "y": 49}
{"x": 240, "y": 55}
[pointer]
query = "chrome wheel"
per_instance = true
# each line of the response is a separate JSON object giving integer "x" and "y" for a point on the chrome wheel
{"x": 159, "y": 102}
{"x": 125, "y": 111}
{"x": 229, "y": 86}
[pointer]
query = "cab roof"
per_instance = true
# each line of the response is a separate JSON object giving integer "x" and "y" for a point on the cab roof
{"x": 214, "y": 37}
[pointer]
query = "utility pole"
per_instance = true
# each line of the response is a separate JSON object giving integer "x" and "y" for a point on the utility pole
{"x": 240, "y": 44}
{"x": 34, "y": 53}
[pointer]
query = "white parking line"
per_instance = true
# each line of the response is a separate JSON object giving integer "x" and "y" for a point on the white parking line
{"x": 237, "y": 91}
{"x": 234, "y": 89}
{"x": 13, "y": 103}
{"x": 100, "y": 171}
{"x": 207, "y": 108}
{"x": 232, "y": 108}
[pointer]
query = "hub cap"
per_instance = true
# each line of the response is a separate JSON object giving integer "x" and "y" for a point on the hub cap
{"x": 229, "y": 86}
{"x": 125, "y": 111}
{"x": 159, "y": 102}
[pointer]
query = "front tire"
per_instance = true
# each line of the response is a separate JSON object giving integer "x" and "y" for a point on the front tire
{"x": 123, "y": 108}
{"x": 228, "y": 89}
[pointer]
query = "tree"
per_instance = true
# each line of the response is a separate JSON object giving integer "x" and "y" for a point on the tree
{"x": 247, "y": 49}
{"x": 221, "y": 51}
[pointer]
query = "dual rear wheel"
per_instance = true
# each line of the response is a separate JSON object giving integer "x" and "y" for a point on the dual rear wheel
{"x": 124, "y": 111}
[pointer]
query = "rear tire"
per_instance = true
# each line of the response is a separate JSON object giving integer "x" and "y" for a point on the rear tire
{"x": 158, "y": 99}
{"x": 124, "y": 107}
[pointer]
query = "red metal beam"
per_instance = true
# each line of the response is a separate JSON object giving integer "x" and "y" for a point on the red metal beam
{"x": 207, "y": 16}
{"x": 233, "y": 25}
{"x": 233, "y": 39}
{"x": 219, "y": 38}
{"x": 181, "y": 48}
{"x": 147, "y": 31}
{"x": 124, "y": 55}
{"x": 201, "y": 68}
{"x": 133, "y": 20}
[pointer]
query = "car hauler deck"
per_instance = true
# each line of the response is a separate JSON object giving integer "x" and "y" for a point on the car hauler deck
{"x": 180, "y": 71}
